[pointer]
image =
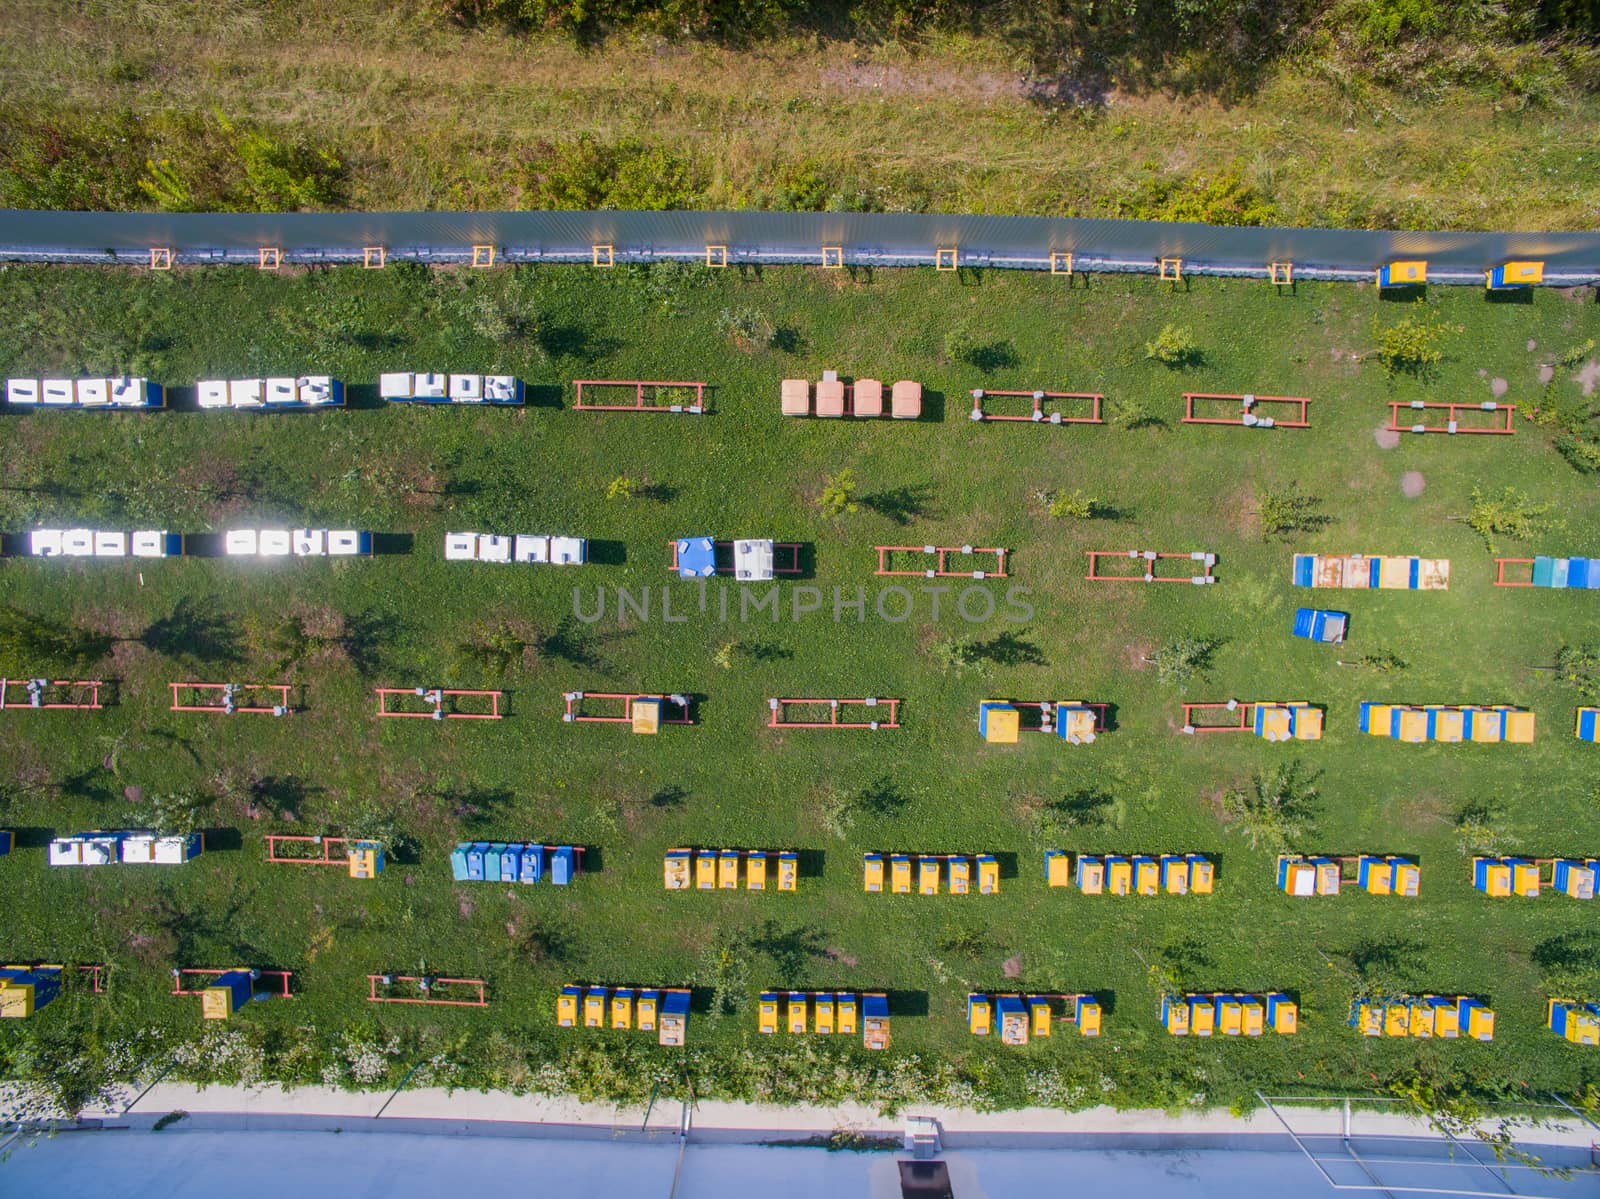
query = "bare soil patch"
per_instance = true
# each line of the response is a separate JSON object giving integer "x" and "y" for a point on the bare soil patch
{"x": 1498, "y": 387}
{"x": 1412, "y": 484}
{"x": 1387, "y": 439}
{"x": 1012, "y": 966}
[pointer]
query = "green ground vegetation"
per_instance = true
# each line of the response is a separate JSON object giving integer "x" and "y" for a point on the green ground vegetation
{"x": 410, "y": 618}
{"x": 1351, "y": 113}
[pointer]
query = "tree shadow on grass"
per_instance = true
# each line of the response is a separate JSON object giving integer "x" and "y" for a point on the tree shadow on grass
{"x": 196, "y": 631}
{"x": 882, "y": 797}
{"x": 1007, "y": 649}
{"x": 789, "y": 949}
{"x": 902, "y": 505}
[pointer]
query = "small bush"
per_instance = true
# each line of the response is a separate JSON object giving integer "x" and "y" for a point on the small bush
{"x": 1181, "y": 660}
{"x": 623, "y": 487}
{"x": 1136, "y": 414}
{"x": 1578, "y": 667}
{"x": 1412, "y": 347}
{"x": 1274, "y": 811}
{"x": 1574, "y": 357}
{"x": 838, "y": 495}
{"x": 1481, "y": 830}
{"x": 1381, "y": 661}
{"x": 1174, "y": 347}
{"x": 1583, "y": 456}
{"x": 748, "y": 327}
{"x": 588, "y": 174}
{"x": 1510, "y": 514}
{"x": 1290, "y": 511}
{"x": 1072, "y": 505}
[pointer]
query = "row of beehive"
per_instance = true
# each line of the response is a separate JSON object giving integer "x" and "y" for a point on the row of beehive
{"x": 719, "y": 869}
{"x": 1443, "y": 1016}
{"x": 1136, "y": 874}
{"x": 953, "y": 869}
{"x": 664, "y": 1011}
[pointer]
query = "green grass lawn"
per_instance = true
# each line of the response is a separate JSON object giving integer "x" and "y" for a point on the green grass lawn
{"x": 931, "y": 786}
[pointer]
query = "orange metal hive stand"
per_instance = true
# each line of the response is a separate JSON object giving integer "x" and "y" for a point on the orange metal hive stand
{"x": 779, "y": 717}
{"x": 647, "y": 396}
{"x": 1039, "y": 415}
{"x": 427, "y": 986}
{"x": 77, "y": 695}
{"x": 227, "y": 698}
{"x": 1500, "y": 414}
{"x": 940, "y": 569}
{"x": 441, "y": 703}
{"x": 1149, "y": 561}
{"x": 1248, "y": 414}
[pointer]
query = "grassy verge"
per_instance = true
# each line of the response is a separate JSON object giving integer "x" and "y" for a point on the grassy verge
{"x": 931, "y": 786}
{"x": 366, "y": 104}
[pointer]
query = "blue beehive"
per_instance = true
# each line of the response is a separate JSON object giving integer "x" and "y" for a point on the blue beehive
{"x": 5, "y": 842}
{"x": 458, "y": 862}
{"x": 697, "y": 557}
{"x": 511, "y": 863}
{"x": 532, "y": 863}
{"x": 475, "y": 855}
{"x": 1316, "y": 625}
{"x": 561, "y": 865}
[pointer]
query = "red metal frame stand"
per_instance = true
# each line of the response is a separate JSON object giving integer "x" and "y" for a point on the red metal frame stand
{"x": 1249, "y": 411}
{"x": 36, "y": 689}
{"x": 639, "y": 395}
{"x": 427, "y": 987}
{"x": 229, "y": 693}
{"x": 575, "y": 701}
{"x": 1452, "y": 417}
{"x": 1039, "y": 415}
{"x": 940, "y": 569}
{"x": 778, "y": 715}
{"x": 1148, "y": 560}
{"x": 437, "y": 697}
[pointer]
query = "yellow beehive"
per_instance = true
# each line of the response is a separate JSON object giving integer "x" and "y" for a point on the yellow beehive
{"x": 980, "y": 1016}
{"x": 767, "y": 1014}
{"x": 567, "y": 1008}
{"x": 1057, "y": 868}
{"x": 705, "y": 871}
{"x": 846, "y": 1014}
{"x": 789, "y": 872}
{"x": 822, "y": 1007}
{"x": 1119, "y": 876}
{"x": 928, "y": 876}
{"x": 755, "y": 871}
{"x": 960, "y": 876}
{"x": 900, "y": 875}
{"x": 675, "y": 869}
{"x": 797, "y": 1013}
{"x": 988, "y": 876}
{"x": 594, "y": 1009}
{"x": 622, "y": 1009}
{"x": 728, "y": 870}
{"x": 1039, "y": 1016}
{"x": 1202, "y": 874}
{"x": 872, "y": 872}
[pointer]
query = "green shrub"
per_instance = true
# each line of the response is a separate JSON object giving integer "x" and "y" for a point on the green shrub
{"x": 1578, "y": 667}
{"x": 1223, "y": 199}
{"x": 1072, "y": 505}
{"x": 1384, "y": 23}
{"x": 1182, "y": 660}
{"x": 1290, "y": 511}
{"x": 630, "y": 174}
{"x": 1174, "y": 347}
{"x": 838, "y": 495}
{"x": 1511, "y": 514}
{"x": 1582, "y": 455}
{"x": 1411, "y": 346}
{"x": 623, "y": 487}
{"x": 749, "y": 328}
{"x": 1274, "y": 810}
{"x": 1574, "y": 356}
